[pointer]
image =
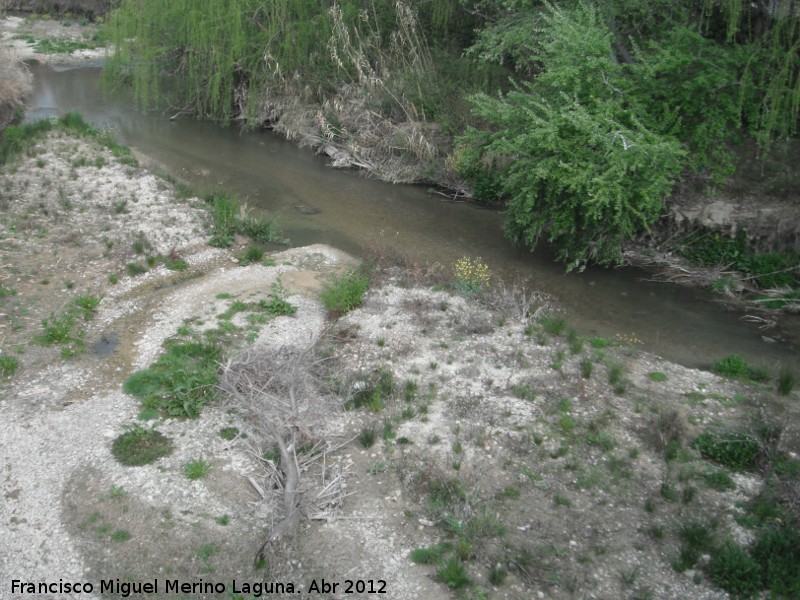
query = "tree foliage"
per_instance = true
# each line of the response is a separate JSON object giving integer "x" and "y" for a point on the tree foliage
{"x": 614, "y": 101}
{"x": 581, "y": 166}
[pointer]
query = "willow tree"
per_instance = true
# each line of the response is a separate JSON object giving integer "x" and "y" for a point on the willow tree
{"x": 214, "y": 57}
{"x": 197, "y": 54}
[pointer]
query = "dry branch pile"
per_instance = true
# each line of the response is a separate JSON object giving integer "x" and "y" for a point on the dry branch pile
{"x": 280, "y": 393}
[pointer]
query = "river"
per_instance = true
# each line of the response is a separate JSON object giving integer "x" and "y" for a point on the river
{"x": 686, "y": 325}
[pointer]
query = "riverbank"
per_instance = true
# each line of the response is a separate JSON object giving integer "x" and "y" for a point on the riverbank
{"x": 755, "y": 209}
{"x": 452, "y": 445}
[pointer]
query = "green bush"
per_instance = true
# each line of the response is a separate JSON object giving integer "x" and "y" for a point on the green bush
{"x": 733, "y": 449}
{"x": 580, "y": 166}
{"x": 735, "y": 366}
{"x": 732, "y": 569}
{"x": 344, "y": 293}
{"x": 777, "y": 551}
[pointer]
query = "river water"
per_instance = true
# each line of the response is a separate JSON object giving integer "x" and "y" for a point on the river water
{"x": 315, "y": 203}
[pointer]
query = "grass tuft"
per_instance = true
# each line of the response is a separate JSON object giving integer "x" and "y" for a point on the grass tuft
{"x": 8, "y": 365}
{"x": 367, "y": 436}
{"x": 787, "y": 380}
{"x": 197, "y": 469}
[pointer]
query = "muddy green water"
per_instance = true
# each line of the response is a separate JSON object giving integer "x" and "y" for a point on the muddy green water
{"x": 315, "y": 203}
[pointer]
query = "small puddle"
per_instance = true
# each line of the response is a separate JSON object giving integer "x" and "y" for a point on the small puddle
{"x": 105, "y": 346}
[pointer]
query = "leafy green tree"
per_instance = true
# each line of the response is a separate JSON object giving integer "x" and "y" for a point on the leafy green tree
{"x": 581, "y": 167}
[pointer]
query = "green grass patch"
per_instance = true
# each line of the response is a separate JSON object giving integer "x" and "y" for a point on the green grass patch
{"x": 734, "y": 570}
{"x": 252, "y": 254}
{"x": 345, "y": 292}
{"x": 432, "y": 555}
{"x": 260, "y": 230}
{"x": 786, "y": 382}
{"x": 736, "y": 367}
{"x": 734, "y": 449}
{"x": 8, "y": 365}
{"x": 454, "y": 575}
{"x": 777, "y": 552}
{"x": 61, "y": 330}
{"x": 135, "y": 269}
{"x": 224, "y": 211}
{"x": 176, "y": 264}
{"x": 657, "y": 376}
{"x": 63, "y": 45}
{"x": 719, "y": 479}
{"x": 140, "y": 446}
{"x": 367, "y": 436}
{"x": 180, "y": 382}
{"x": 553, "y": 325}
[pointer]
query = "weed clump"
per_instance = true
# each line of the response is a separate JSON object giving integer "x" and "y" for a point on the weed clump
{"x": 732, "y": 569}
{"x": 344, "y": 293}
{"x": 139, "y": 446}
{"x": 196, "y": 469}
{"x": 228, "y": 433}
{"x": 252, "y": 254}
{"x": 734, "y": 449}
{"x": 553, "y": 325}
{"x": 8, "y": 365}
{"x": 60, "y": 330}
{"x": 223, "y": 209}
{"x": 787, "y": 380}
{"x": 180, "y": 382}
{"x": 88, "y": 305}
{"x": 372, "y": 395}
{"x": 736, "y": 367}
{"x": 367, "y": 436}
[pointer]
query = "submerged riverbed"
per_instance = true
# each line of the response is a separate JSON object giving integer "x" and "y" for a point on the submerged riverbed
{"x": 315, "y": 203}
